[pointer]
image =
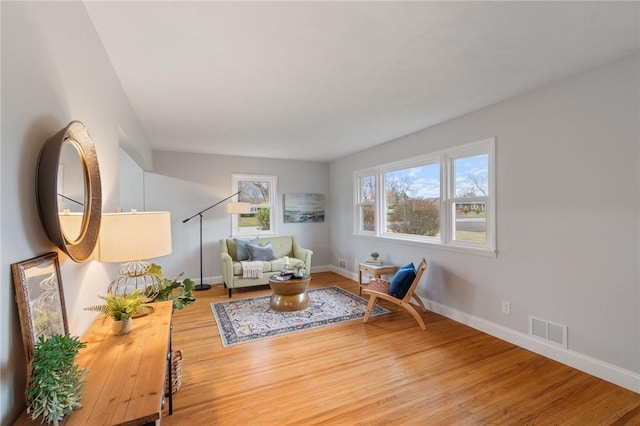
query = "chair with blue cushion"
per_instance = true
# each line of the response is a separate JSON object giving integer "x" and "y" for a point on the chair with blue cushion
{"x": 399, "y": 291}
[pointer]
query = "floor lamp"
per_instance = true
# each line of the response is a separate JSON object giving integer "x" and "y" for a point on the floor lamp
{"x": 203, "y": 286}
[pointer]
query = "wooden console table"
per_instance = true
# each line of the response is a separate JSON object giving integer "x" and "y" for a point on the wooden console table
{"x": 125, "y": 374}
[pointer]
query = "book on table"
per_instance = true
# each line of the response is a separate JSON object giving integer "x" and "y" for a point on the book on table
{"x": 281, "y": 277}
{"x": 374, "y": 262}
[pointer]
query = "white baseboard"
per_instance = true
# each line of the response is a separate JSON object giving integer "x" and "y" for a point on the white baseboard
{"x": 345, "y": 273}
{"x": 605, "y": 371}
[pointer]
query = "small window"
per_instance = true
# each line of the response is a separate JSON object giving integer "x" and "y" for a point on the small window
{"x": 260, "y": 192}
{"x": 366, "y": 203}
{"x": 469, "y": 198}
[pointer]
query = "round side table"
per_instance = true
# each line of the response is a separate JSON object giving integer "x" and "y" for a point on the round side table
{"x": 289, "y": 295}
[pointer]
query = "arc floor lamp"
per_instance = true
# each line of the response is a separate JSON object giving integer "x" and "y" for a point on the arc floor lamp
{"x": 244, "y": 208}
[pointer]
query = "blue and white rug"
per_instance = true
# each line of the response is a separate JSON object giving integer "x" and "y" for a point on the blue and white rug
{"x": 248, "y": 320}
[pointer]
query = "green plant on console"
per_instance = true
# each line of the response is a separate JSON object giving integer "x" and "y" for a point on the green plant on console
{"x": 122, "y": 307}
{"x": 179, "y": 290}
{"x": 55, "y": 383}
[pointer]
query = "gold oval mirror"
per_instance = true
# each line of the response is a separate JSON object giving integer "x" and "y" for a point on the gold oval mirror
{"x": 69, "y": 191}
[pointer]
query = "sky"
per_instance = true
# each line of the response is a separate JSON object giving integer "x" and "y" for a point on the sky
{"x": 426, "y": 179}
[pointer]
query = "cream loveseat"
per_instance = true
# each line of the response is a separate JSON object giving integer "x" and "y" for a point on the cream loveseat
{"x": 282, "y": 246}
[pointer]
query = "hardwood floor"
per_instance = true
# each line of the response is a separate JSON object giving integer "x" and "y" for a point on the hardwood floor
{"x": 385, "y": 372}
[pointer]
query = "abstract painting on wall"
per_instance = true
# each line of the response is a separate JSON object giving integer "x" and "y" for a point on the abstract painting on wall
{"x": 303, "y": 208}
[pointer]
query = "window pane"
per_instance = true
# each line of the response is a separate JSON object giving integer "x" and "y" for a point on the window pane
{"x": 472, "y": 176}
{"x": 412, "y": 199}
{"x": 470, "y": 222}
{"x": 368, "y": 190}
{"x": 257, "y": 193}
{"x": 258, "y": 220}
{"x": 368, "y": 218}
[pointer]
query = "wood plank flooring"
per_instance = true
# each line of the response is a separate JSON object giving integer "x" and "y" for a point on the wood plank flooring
{"x": 386, "y": 372}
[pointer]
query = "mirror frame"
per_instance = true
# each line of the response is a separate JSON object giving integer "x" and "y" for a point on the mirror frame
{"x": 34, "y": 290}
{"x": 80, "y": 248}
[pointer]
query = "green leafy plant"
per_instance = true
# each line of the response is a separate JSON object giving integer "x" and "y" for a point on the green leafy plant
{"x": 122, "y": 307}
{"x": 179, "y": 290}
{"x": 55, "y": 384}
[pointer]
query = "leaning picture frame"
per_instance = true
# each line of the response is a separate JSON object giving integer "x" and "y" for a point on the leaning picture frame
{"x": 40, "y": 299}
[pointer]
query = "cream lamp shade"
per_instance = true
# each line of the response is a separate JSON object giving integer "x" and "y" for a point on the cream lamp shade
{"x": 125, "y": 237}
{"x": 132, "y": 238}
{"x": 238, "y": 208}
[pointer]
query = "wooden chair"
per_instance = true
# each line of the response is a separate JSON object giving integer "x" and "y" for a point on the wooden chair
{"x": 379, "y": 288}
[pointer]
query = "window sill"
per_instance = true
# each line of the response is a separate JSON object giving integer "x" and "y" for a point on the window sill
{"x": 478, "y": 251}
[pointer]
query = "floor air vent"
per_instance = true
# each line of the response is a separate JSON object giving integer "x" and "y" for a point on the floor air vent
{"x": 548, "y": 331}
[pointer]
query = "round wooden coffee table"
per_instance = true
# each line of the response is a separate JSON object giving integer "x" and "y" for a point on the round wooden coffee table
{"x": 289, "y": 295}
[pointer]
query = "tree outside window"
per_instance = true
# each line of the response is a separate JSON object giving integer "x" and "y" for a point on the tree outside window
{"x": 412, "y": 198}
{"x": 259, "y": 192}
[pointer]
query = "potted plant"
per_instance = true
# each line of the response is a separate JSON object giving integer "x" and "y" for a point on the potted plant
{"x": 55, "y": 383}
{"x": 121, "y": 307}
{"x": 179, "y": 290}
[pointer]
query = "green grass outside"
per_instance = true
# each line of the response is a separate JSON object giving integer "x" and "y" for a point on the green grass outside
{"x": 249, "y": 221}
{"x": 481, "y": 215}
{"x": 475, "y": 237}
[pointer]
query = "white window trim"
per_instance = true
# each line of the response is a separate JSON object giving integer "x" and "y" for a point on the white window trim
{"x": 445, "y": 158}
{"x": 273, "y": 201}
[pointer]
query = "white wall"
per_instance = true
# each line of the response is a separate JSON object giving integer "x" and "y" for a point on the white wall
{"x": 567, "y": 209}
{"x": 130, "y": 184}
{"x": 185, "y": 184}
{"x": 54, "y": 70}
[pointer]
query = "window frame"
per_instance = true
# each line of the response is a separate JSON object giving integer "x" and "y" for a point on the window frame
{"x": 273, "y": 204}
{"x": 361, "y": 204}
{"x": 446, "y": 159}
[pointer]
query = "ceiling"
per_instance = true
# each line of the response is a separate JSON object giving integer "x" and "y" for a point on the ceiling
{"x": 321, "y": 80}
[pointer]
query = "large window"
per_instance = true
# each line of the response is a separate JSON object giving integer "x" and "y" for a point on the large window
{"x": 444, "y": 198}
{"x": 260, "y": 192}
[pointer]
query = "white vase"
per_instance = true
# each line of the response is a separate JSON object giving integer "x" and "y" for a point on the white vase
{"x": 118, "y": 328}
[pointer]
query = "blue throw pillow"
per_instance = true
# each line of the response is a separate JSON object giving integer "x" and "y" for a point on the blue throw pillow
{"x": 264, "y": 253}
{"x": 402, "y": 280}
{"x": 241, "y": 247}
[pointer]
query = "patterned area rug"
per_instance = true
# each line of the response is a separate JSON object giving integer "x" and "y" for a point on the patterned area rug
{"x": 248, "y": 320}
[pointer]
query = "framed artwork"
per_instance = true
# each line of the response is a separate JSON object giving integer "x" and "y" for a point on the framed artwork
{"x": 303, "y": 208}
{"x": 40, "y": 299}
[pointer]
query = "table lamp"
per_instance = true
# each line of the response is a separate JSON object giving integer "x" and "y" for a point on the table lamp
{"x": 133, "y": 238}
